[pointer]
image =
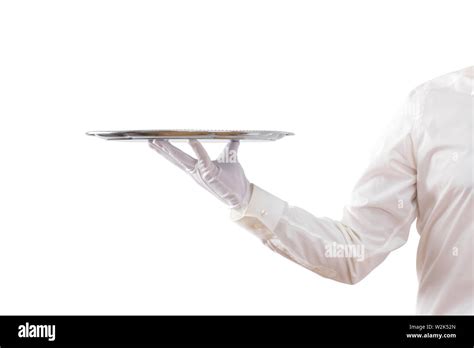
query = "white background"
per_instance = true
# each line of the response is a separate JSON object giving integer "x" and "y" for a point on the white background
{"x": 95, "y": 227}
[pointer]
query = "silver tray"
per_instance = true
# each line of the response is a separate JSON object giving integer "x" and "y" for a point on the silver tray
{"x": 176, "y": 134}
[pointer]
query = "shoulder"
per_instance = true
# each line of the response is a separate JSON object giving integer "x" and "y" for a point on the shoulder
{"x": 453, "y": 82}
{"x": 435, "y": 91}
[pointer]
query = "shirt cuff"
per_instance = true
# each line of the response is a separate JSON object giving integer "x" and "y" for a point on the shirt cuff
{"x": 262, "y": 214}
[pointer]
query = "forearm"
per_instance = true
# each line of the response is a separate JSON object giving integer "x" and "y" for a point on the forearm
{"x": 324, "y": 246}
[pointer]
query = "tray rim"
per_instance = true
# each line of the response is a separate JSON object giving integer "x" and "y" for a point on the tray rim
{"x": 176, "y": 134}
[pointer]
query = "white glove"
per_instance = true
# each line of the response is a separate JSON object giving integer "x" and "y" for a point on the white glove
{"x": 224, "y": 178}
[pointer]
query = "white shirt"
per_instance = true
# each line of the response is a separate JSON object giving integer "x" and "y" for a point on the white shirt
{"x": 423, "y": 170}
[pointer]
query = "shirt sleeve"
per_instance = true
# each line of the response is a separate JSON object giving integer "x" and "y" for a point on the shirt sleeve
{"x": 376, "y": 221}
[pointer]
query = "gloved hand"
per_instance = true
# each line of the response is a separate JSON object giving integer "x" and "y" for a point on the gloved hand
{"x": 224, "y": 178}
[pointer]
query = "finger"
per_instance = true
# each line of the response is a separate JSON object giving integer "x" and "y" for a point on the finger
{"x": 173, "y": 154}
{"x": 200, "y": 152}
{"x": 230, "y": 150}
{"x": 233, "y": 145}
